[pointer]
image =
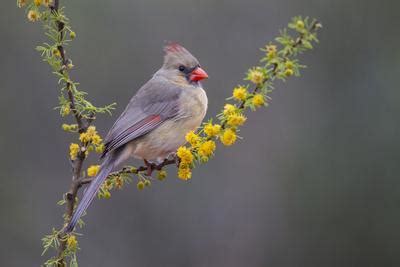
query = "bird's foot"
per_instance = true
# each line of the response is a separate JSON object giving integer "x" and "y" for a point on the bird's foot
{"x": 150, "y": 167}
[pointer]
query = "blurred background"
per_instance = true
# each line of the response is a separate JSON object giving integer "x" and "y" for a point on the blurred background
{"x": 315, "y": 182}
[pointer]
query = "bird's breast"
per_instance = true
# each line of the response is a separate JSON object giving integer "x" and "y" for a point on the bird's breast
{"x": 193, "y": 103}
{"x": 166, "y": 138}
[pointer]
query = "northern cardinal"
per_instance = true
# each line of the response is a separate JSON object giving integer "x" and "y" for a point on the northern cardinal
{"x": 156, "y": 120}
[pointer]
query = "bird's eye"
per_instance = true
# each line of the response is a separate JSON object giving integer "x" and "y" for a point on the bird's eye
{"x": 182, "y": 68}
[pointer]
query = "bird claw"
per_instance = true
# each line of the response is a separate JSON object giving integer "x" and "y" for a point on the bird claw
{"x": 150, "y": 167}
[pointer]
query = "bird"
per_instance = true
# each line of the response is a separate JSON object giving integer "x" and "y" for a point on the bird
{"x": 155, "y": 121}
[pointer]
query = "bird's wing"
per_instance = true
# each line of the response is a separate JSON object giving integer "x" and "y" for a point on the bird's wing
{"x": 154, "y": 103}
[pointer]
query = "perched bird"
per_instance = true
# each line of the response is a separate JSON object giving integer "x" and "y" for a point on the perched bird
{"x": 156, "y": 120}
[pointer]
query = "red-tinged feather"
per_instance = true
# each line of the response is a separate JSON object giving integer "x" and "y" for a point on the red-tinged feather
{"x": 173, "y": 47}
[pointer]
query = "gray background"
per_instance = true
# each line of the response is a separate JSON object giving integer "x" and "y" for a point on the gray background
{"x": 314, "y": 183}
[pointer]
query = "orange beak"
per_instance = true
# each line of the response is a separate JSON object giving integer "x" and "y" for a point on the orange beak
{"x": 198, "y": 74}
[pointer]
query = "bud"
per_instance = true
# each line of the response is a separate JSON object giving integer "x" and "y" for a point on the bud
{"x": 65, "y": 127}
{"x": 56, "y": 52}
{"x": 300, "y": 24}
{"x": 21, "y": 3}
{"x": 33, "y": 15}
{"x": 72, "y": 243}
{"x": 107, "y": 194}
{"x": 140, "y": 185}
{"x": 161, "y": 175}
{"x": 288, "y": 72}
{"x": 289, "y": 64}
{"x": 69, "y": 64}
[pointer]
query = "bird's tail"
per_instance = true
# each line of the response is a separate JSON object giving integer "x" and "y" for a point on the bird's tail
{"x": 90, "y": 193}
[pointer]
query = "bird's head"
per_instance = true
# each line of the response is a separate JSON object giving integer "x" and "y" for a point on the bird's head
{"x": 181, "y": 66}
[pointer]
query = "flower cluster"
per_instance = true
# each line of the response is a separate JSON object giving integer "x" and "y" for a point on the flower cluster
{"x": 72, "y": 243}
{"x": 35, "y": 12}
{"x": 92, "y": 140}
{"x": 74, "y": 150}
{"x": 279, "y": 62}
{"x": 114, "y": 181}
{"x": 93, "y": 170}
{"x": 70, "y": 127}
{"x": 186, "y": 160}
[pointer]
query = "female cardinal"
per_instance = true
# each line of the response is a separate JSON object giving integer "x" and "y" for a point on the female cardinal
{"x": 156, "y": 120}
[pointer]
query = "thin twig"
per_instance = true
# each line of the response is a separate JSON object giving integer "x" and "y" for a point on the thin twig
{"x": 70, "y": 196}
{"x": 127, "y": 170}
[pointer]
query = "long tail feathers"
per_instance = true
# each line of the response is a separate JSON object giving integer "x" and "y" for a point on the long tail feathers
{"x": 90, "y": 193}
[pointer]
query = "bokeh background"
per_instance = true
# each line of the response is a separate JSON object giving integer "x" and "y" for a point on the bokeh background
{"x": 315, "y": 182}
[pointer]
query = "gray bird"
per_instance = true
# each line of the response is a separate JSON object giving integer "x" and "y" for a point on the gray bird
{"x": 156, "y": 120}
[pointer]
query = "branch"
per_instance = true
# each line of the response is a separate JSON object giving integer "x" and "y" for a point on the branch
{"x": 64, "y": 60}
{"x": 129, "y": 170}
{"x": 70, "y": 196}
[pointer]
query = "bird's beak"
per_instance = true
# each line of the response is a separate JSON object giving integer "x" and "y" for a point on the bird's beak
{"x": 198, "y": 74}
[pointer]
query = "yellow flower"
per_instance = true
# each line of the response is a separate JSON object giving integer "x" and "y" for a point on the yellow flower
{"x": 100, "y": 148}
{"x": 236, "y": 120}
{"x": 84, "y": 137}
{"x": 37, "y": 2}
{"x": 21, "y": 3}
{"x": 288, "y": 72}
{"x": 289, "y": 64}
{"x": 192, "y": 138}
{"x": 184, "y": 173}
{"x": 212, "y": 129}
{"x": 229, "y": 109}
{"x": 56, "y": 52}
{"x": 240, "y": 93}
{"x": 119, "y": 182}
{"x": 258, "y": 100}
{"x": 207, "y": 148}
{"x": 91, "y": 130}
{"x": 72, "y": 243}
{"x": 271, "y": 48}
{"x": 47, "y": 2}
{"x": 228, "y": 137}
{"x": 185, "y": 155}
{"x": 256, "y": 76}
{"x": 73, "y": 150}
{"x": 33, "y": 15}
{"x": 65, "y": 110}
{"x": 271, "y": 55}
{"x": 93, "y": 170}
{"x": 271, "y": 51}
{"x": 90, "y": 136}
{"x": 96, "y": 139}
{"x": 161, "y": 175}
